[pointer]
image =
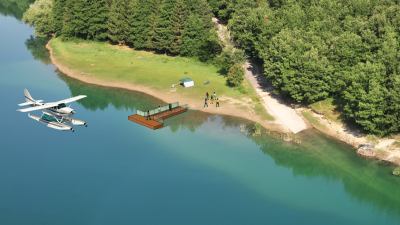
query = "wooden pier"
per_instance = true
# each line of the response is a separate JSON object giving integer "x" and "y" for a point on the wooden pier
{"x": 154, "y": 119}
{"x": 152, "y": 124}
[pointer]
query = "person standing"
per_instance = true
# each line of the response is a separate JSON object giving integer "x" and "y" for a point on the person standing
{"x": 217, "y": 102}
{"x": 205, "y": 103}
{"x": 207, "y": 95}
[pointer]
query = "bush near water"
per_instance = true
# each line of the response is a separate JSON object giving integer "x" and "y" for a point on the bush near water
{"x": 396, "y": 171}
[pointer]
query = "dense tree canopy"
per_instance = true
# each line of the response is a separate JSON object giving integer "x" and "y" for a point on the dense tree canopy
{"x": 311, "y": 50}
{"x": 176, "y": 27}
{"x": 39, "y": 15}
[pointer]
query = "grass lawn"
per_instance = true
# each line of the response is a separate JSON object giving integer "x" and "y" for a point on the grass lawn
{"x": 313, "y": 120}
{"x": 326, "y": 108}
{"x": 115, "y": 63}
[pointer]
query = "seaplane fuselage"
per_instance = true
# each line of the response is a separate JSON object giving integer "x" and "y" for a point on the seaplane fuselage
{"x": 62, "y": 109}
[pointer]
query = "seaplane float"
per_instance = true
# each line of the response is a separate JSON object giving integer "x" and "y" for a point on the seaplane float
{"x": 55, "y": 115}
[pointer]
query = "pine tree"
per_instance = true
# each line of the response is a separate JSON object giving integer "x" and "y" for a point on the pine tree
{"x": 152, "y": 21}
{"x": 199, "y": 40}
{"x": 392, "y": 112}
{"x": 193, "y": 36}
{"x": 142, "y": 15}
{"x": 163, "y": 33}
{"x": 118, "y": 21}
{"x": 97, "y": 16}
{"x": 202, "y": 10}
{"x": 389, "y": 54}
{"x": 178, "y": 23}
{"x": 58, "y": 15}
{"x": 75, "y": 19}
{"x": 169, "y": 26}
{"x": 68, "y": 27}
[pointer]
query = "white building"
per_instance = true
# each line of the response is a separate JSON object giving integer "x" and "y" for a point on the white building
{"x": 187, "y": 82}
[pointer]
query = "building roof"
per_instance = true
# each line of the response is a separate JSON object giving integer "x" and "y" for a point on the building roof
{"x": 185, "y": 79}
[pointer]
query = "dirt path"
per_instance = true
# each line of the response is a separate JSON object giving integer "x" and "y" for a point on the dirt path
{"x": 284, "y": 115}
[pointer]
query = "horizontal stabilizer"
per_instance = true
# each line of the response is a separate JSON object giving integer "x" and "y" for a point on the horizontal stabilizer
{"x": 30, "y": 103}
{"x": 25, "y": 104}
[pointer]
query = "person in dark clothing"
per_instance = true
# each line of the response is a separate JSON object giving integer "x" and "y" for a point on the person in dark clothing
{"x": 207, "y": 95}
{"x": 217, "y": 102}
{"x": 148, "y": 115}
{"x": 170, "y": 106}
{"x": 205, "y": 102}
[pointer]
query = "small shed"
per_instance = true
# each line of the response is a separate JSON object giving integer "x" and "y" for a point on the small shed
{"x": 186, "y": 82}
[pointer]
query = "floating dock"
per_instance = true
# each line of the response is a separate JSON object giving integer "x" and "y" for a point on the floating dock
{"x": 154, "y": 119}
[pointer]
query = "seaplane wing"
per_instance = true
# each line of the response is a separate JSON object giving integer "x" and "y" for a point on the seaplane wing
{"x": 41, "y": 107}
{"x": 73, "y": 99}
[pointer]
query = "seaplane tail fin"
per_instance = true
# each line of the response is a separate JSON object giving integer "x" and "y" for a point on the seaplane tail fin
{"x": 28, "y": 97}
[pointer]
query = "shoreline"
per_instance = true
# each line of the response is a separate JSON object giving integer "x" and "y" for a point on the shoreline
{"x": 225, "y": 109}
{"x": 382, "y": 150}
{"x": 331, "y": 129}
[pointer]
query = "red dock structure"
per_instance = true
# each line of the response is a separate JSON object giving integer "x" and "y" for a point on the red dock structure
{"x": 154, "y": 119}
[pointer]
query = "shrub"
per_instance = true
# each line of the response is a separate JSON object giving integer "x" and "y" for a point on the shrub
{"x": 235, "y": 75}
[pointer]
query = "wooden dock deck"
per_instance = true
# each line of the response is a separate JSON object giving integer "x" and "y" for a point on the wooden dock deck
{"x": 156, "y": 121}
{"x": 152, "y": 124}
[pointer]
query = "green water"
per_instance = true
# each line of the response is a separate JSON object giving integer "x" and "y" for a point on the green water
{"x": 200, "y": 169}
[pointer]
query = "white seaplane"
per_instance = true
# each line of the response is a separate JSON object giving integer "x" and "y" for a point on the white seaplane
{"x": 56, "y": 115}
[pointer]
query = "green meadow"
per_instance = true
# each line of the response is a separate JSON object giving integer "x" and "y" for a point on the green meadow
{"x": 161, "y": 72}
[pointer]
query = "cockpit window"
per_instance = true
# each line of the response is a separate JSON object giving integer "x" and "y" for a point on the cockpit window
{"x": 62, "y": 105}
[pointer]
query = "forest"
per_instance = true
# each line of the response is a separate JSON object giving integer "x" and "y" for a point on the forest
{"x": 311, "y": 50}
{"x": 174, "y": 27}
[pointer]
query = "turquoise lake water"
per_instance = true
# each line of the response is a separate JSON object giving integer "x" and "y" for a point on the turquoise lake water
{"x": 201, "y": 169}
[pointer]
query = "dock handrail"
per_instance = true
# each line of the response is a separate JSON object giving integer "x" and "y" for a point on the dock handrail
{"x": 158, "y": 109}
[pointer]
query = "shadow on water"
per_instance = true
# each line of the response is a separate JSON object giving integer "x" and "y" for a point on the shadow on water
{"x": 15, "y": 8}
{"x": 37, "y": 47}
{"x": 316, "y": 155}
{"x": 99, "y": 98}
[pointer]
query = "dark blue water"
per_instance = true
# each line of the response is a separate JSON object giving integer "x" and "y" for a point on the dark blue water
{"x": 201, "y": 169}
